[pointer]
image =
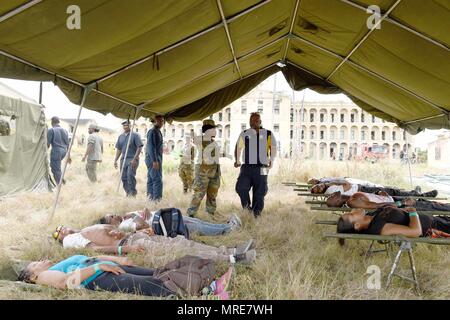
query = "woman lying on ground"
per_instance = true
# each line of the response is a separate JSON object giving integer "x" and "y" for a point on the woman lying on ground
{"x": 350, "y": 189}
{"x": 362, "y": 200}
{"x": 389, "y": 221}
{"x": 186, "y": 276}
{"x": 140, "y": 220}
{"x": 108, "y": 239}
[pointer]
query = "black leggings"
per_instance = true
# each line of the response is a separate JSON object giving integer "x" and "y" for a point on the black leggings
{"x": 136, "y": 280}
{"x": 390, "y": 191}
{"x": 441, "y": 224}
{"x": 425, "y": 205}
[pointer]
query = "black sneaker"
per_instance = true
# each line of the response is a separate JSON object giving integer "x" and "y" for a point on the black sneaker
{"x": 431, "y": 194}
{"x": 246, "y": 258}
{"x": 243, "y": 248}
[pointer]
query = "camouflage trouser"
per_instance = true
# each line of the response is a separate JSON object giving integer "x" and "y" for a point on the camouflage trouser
{"x": 206, "y": 182}
{"x": 91, "y": 170}
{"x": 186, "y": 173}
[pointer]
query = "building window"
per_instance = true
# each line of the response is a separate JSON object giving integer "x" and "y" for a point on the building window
{"x": 437, "y": 153}
{"x": 220, "y": 116}
{"x": 173, "y": 132}
{"x": 342, "y": 134}
{"x": 243, "y": 106}
{"x": 291, "y": 114}
{"x": 220, "y": 133}
{"x": 182, "y": 132}
{"x": 353, "y": 134}
{"x": 312, "y": 135}
{"x": 383, "y": 135}
{"x": 322, "y": 117}
{"x": 303, "y": 134}
{"x": 342, "y": 117}
{"x": 322, "y": 134}
{"x": 260, "y": 106}
{"x": 394, "y": 135}
{"x": 276, "y": 107}
{"x": 363, "y": 116}
{"x": 311, "y": 117}
{"x": 363, "y": 135}
{"x": 352, "y": 118}
{"x": 373, "y": 119}
{"x": 229, "y": 116}
{"x": 291, "y": 134}
{"x": 332, "y": 117}
{"x": 332, "y": 134}
{"x": 276, "y": 128}
{"x": 372, "y": 135}
{"x": 404, "y": 135}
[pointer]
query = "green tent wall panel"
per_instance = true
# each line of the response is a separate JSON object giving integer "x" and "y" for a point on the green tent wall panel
{"x": 187, "y": 59}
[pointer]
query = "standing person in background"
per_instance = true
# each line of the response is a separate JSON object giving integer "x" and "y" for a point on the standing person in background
{"x": 186, "y": 167}
{"x": 93, "y": 153}
{"x": 259, "y": 147}
{"x": 131, "y": 158}
{"x": 207, "y": 170}
{"x": 154, "y": 159}
{"x": 58, "y": 138}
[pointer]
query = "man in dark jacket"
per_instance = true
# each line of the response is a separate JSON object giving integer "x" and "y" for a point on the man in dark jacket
{"x": 153, "y": 160}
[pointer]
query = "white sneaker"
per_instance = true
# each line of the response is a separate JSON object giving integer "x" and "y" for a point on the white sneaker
{"x": 235, "y": 221}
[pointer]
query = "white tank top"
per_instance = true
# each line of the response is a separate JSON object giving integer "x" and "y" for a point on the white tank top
{"x": 377, "y": 198}
{"x": 332, "y": 189}
{"x": 75, "y": 240}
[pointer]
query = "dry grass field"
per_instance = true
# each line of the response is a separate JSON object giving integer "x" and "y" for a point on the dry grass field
{"x": 293, "y": 262}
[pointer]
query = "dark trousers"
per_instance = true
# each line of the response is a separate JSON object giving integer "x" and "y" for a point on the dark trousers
{"x": 250, "y": 177}
{"x": 136, "y": 280}
{"x": 426, "y": 205}
{"x": 390, "y": 191}
{"x": 129, "y": 177}
{"x": 441, "y": 224}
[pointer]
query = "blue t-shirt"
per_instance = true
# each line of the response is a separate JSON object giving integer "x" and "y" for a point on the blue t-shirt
{"x": 135, "y": 143}
{"x": 58, "y": 138}
{"x": 79, "y": 262}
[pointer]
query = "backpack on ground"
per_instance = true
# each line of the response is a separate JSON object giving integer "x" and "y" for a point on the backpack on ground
{"x": 169, "y": 222}
{"x": 187, "y": 275}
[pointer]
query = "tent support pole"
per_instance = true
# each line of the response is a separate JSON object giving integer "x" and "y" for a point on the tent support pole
{"x": 86, "y": 91}
{"x": 408, "y": 159}
{"x": 138, "y": 109}
{"x": 40, "y": 92}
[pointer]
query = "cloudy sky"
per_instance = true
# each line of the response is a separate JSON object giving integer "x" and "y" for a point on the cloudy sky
{"x": 57, "y": 104}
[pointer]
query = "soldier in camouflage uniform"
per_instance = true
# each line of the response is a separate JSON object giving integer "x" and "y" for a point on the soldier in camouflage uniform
{"x": 5, "y": 130}
{"x": 186, "y": 168}
{"x": 207, "y": 170}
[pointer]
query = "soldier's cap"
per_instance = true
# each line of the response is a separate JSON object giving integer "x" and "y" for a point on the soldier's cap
{"x": 126, "y": 122}
{"x": 209, "y": 122}
{"x": 93, "y": 126}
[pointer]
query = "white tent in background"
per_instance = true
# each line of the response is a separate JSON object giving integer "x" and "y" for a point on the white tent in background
{"x": 23, "y": 144}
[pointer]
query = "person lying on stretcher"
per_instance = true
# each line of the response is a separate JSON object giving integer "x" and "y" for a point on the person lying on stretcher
{"x": 388, "y": 221}
{"x": 349, "y": 189}
{"x": 364, "y": 200}
{"x": 315, "y": 181}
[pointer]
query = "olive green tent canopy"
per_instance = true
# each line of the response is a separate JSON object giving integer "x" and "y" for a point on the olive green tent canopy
{"x": 187, "y": 59}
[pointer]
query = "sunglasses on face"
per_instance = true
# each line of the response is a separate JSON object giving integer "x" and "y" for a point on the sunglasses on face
{"x": 57, "y": 232}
